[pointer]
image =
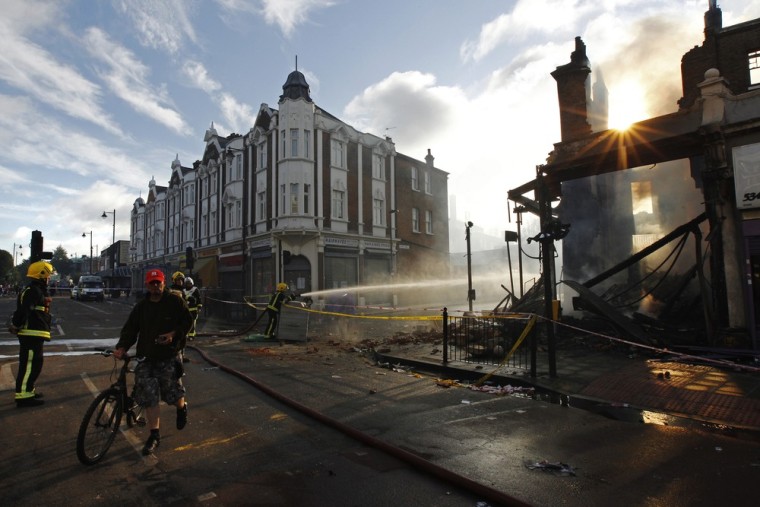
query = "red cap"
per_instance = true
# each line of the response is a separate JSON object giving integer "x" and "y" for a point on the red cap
{"x": 154, "y": 274}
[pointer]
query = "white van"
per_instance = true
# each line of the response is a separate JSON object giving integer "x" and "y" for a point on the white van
{"x": 90, "y": 288}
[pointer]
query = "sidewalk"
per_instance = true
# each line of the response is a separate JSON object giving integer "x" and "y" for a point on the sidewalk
{"x": 608, "y": 380}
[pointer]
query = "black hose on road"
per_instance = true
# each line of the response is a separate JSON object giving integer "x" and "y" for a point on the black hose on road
{"x": 477, "y": 488}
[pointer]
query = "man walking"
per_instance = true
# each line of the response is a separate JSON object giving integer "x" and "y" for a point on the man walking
{"x": 158, "y": 324}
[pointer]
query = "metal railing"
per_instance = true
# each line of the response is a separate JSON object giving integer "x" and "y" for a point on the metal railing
{"x": 505, "y": 340}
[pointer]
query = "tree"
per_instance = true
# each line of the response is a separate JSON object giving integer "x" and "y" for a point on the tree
{"x": 6, "y": 267}
{"x": 61, "y": 261}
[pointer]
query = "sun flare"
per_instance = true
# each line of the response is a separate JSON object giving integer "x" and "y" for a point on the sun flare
{"x": 626, "y": 105}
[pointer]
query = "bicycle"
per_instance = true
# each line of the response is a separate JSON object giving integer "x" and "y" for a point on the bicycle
{"x": 102, "y": 419}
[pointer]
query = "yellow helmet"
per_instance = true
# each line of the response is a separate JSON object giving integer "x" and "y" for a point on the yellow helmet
{"x": 282, "y": 287}
{"x": 40, "y": 270}
{"x": 177, "y": 275}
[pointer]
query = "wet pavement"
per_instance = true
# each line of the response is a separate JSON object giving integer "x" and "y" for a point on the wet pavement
{"x": 678, "y": 386}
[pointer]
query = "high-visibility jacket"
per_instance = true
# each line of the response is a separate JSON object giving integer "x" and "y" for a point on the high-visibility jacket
{"x": 193, "y": 298}
{"x": 32, "y": 315}
{"x": 277, "y": 299}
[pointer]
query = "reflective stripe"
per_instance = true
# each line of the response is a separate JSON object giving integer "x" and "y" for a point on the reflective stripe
{"x": 27, "y": 373}
{"x": 35, "y": 332}
{"x": 40, "y": 308}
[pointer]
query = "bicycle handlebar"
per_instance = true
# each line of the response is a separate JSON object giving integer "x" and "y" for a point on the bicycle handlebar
{"x": 109, "y": 352}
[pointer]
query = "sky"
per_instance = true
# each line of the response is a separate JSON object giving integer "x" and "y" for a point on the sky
{"x": 98, "y": 97}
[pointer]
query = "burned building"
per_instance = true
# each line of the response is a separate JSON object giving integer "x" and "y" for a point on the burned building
{"x": 663, "y": 217}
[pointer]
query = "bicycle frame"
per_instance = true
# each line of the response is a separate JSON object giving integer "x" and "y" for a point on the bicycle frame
{"x": 102, "y": 419}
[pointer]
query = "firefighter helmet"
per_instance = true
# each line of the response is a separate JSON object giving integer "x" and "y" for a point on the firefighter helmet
{"x": 282, "y": 287}
{"x": 177, "y": 276}
{"x": 40, "y": 270}
{"x": 188, "y": 282}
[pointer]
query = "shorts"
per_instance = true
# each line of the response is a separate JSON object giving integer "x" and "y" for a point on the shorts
{"x": 157, "y": 380}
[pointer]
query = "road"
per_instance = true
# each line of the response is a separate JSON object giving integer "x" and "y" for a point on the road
{"x": 319, "y": 424}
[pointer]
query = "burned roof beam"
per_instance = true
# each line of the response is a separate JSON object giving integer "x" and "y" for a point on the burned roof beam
{"x": 678, "y": 231}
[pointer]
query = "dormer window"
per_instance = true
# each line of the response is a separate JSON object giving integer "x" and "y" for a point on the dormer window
{"x": 754, "y": 69}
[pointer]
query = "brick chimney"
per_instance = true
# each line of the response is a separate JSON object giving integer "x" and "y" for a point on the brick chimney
{"x": 574, "y": 94}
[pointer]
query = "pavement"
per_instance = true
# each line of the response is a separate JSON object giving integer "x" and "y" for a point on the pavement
{"x": 618, "y": 378}
{"x": 718, "y": 392}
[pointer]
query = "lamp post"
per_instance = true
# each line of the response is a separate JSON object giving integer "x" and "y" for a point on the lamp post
{"x": 19, "y": 253}
{"x": 84, "y": 235}
{"x": 113, "y": 237}
{"x": 470, "y": 292}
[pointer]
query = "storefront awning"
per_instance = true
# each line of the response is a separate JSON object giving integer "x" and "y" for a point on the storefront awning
{"x": 204, "y": 272}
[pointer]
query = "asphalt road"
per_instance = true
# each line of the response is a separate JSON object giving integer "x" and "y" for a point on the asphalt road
{"x": 319, "y": 423}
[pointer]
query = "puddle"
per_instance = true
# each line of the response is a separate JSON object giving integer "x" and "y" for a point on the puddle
{"x": 626, "y": 413}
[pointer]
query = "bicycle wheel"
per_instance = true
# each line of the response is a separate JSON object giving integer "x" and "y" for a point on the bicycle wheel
{"x": 99, "y": 426}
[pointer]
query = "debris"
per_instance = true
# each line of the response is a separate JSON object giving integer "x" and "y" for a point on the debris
{"x": 557, "y": 468}
{"x": 447, "y": 383}
{"x": 507, "y": 389}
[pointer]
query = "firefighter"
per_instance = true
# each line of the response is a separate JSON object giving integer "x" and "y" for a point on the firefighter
{"x": 178, "y": 289}
{"x": 274, "y": 306}
{"x": 31, "y": 324}
{"x": 178, "y": 284}
{"x": 194, "y": 304}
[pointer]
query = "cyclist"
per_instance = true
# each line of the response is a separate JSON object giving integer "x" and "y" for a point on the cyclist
{"x": 158, "y": 324}
{"x": 31, "y": 323}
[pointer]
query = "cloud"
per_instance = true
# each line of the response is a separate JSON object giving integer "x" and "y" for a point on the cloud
{"x": 127, "y": 78}
{"x": 410, "y": 103}
{"x": 32, "y": 70}
{"x": 529, "y": 17}
{"x": 489, "y": 141}
{"x": 161, "y": 25}
{"x": 66, "y": 150}
{"x": 240, "y": 116}
{"x": 287, "y": 14}
{"x": 199, "y": 76}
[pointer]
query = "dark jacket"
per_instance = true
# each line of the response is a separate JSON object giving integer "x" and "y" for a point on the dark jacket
{"x": 277, "y": 299}
{"x": 32, "y": 315}
{"x": 149, "y": 319}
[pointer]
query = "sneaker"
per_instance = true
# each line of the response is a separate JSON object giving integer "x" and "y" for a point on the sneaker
{"x": 151, "y": 445}
{"x": 182, "y": 417}
{"x": 29, "y": 402}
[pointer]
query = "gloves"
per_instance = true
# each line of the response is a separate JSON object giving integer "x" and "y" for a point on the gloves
{"x": 12, "y": 329}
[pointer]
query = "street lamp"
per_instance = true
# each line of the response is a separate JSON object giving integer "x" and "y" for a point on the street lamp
{"x": 113, "y": 237}
{"x": 470, "y": 292}
{"x": 19, "y": 253}
{"x": 390, "y": 240}
{"x": 84, "y": 235}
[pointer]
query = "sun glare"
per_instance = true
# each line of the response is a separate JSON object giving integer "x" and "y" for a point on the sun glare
{"x": 626, "y": 105}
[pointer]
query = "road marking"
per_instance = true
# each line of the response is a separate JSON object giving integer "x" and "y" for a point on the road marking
{"x": 131, "y": 437}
